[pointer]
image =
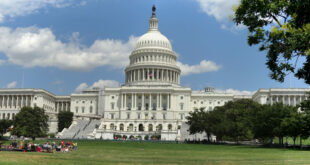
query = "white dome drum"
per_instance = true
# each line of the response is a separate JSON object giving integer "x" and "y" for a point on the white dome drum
{"x": 153, "y": 61}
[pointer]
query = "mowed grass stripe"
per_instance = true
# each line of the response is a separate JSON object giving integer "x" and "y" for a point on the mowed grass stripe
{"x": 109, "y": 152}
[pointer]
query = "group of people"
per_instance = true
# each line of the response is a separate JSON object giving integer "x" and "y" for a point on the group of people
{"x": 49, "y": 147}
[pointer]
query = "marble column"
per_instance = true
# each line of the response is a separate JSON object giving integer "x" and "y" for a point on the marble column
{"x": 125, "y": 101}
{"x": 150, "y": 102}
{"x": 160, "y": 101}
{"x": 294, "y": 100}
{"x": 122, "y": 101}
{"x": 142, "y": 107}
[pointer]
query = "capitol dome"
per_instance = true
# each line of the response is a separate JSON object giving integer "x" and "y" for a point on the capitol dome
{"x": 153, "y": 38}
{"x": 153, "y": 62}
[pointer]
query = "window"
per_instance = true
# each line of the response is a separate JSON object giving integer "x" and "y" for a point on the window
{"x": 181, "y": 106}
{"x": 139, "y": 106}
{"x": 154, "y": 106}
{"x": 35, "y": 98}
{"x": 169, "y": 127}
{"x": 210, "y": 102}
{"x": 164, "y": 116}
{"x": 181, "y": 116}
{"x": 112, "y": 106}
{"x": 129, "y": 106}
{"x": 77, "y": 101}
{"x": 181, "y": 97}
{"x": 194, "y": 102}
{"x": 83, "y": 109}
{"x": 112, "y": 116}
{"x": 139, "y": 97}
{"x": 112, "y": 97}
{"x": 146, "y": 116}
{"x": 91, "y": 102}
{"x": 218, "y": 102}
{"x": 104, "y": 127}
{"x": 91, "y": 109}
{"x": 139, "y": 115}
{"x": 201, "y": 102}
{"x": 83, "y": 101}
{"x": 76, "y": 109}
{"x": 128, "y": 115}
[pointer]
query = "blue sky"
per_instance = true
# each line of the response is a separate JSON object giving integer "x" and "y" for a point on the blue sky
{"x": 68, "y": 45}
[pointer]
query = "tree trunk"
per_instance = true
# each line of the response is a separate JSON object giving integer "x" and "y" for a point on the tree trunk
{"x": 33, "y": 138}
{"x": 300, "y": 142}
{"x": 294, "y": 138}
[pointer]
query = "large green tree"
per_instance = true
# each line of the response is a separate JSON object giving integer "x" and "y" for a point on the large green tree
{"x": 282, "y": 29}
{"x": 30, "y": 122}
{"x": 5, "y": 124}
{"x": 64, "y": 120}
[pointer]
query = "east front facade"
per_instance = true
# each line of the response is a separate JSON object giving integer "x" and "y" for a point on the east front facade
{"x": 150, "y": 103}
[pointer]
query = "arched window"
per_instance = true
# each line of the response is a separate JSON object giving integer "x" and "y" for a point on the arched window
{"x": 169, "y": 127}
{"x": 111, "y": 126}
{"x": 141, "y": 128}
{"x": 121, "y": 127}
{"x": 130, "y": 127}
{"x": 159, "y": 127}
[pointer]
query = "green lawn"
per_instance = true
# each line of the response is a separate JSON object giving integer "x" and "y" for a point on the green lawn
{"x": 103, "y": 152}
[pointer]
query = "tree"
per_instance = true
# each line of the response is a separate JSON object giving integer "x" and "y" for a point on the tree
{"x": 5, "y": 124}
{"x": 282, "y": 28}
{"x": 64, "y": 120}
{"x": 30, "y": 122}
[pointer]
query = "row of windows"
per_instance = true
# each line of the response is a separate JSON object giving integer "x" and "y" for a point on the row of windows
{"x": 83, "y": 109}
{"x": 140, "y": 127}
{"x": 218, "y": 102}
{"x": 83, "y": 101}
{"x": 146, "y": 116}
{"x": 160, "y": 58}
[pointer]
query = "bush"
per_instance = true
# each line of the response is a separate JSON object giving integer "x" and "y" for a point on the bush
{"x": 125, "y": 137}
{"x": 51, "y": 135}
{"x": 131, "y": 137}
{"x": 146, "y": 137}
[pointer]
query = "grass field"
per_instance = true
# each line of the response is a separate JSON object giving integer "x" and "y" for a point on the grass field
{"x": 108, "y": 152}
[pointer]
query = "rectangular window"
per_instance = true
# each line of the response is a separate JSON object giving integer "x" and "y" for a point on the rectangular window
{"x": 90, "y": 109}
{"x": 181, "y": 116}
{"x": 83, "y": 109}
{"x": 128, "y": 115}
{"x": 76, "y": 109}
{"x": 164, "y": 116}
{"x": 112, "y": 116}
{"x": 139, "y": 116}
{"x": 112, "y": 106}
{"x": 181, "y": 106}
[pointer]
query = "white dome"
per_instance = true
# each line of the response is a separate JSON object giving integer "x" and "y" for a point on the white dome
{"x": 153, "y": 38}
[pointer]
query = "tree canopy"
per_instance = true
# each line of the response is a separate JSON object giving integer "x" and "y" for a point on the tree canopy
{"x": 282, "y": 29}
{"x": 30, "y": 122}
{"x": 5, "y": 124}
{"x": 64, "y": 120}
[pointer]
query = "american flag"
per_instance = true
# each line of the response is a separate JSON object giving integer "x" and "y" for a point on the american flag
{"x": 150, "y": 74}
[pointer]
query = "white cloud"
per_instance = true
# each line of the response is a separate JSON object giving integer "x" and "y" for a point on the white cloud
{"x": 32, "y": 46}
{"x": 204, "y": 66}
{"x": 57, "y": 82}
{"x": 13, "y": 8}
{"x": 235, "y": 92}
{"x": 99, "y": 84}
{"x": 222, "y": 11}
{"x": 12, "y": 84}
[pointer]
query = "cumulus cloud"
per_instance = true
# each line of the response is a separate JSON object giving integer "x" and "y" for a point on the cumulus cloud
{"x": 32, "y": 46}
{"x": 12, "y": 84}
{"x": 235, "y": 92}
{"x": 99, "y": 84}
{"x": 14, "y": 8}
{"x": 204, "y": 66}
{"x": 222, "y": 11}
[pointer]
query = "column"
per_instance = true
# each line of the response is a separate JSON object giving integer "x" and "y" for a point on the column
{"x": 138, "y": 74}
{"x": 2, "y": 101}
{"x": 168, "y": 101}
{"x": 132, "y": 98}
{"x": 17, "y": 100}
{"x": 122, "y": 101}
{"x": 150, "y": 102}
{"x": 294, "y": 100}
{"x": 134, "y": 75}
{"x": 157, "y": 101}
{"x": 142, "y": 107}
{"x": 160, "y": 101}
{"x": 148, "y": 74}
{"x": 143, "y": 74}
{"x": 277, "y": 99}
{"x": 22, "y": 100}
{"x": 135, "y": 101}
{"x": 289, "y": 100}
{"x": 125, "y": 101}
{"x": 271, "y": 99}
{"x": 283, "y": 101}
{"x": 300, "y": 99}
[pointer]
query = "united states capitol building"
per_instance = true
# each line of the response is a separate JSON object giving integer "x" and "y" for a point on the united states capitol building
{"x": 151, "y": 102}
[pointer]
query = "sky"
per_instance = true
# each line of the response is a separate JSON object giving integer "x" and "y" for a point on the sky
{"x": 66, "y": 46}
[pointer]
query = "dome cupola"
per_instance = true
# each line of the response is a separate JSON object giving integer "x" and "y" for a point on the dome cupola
{"x": 153, "y": 61}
